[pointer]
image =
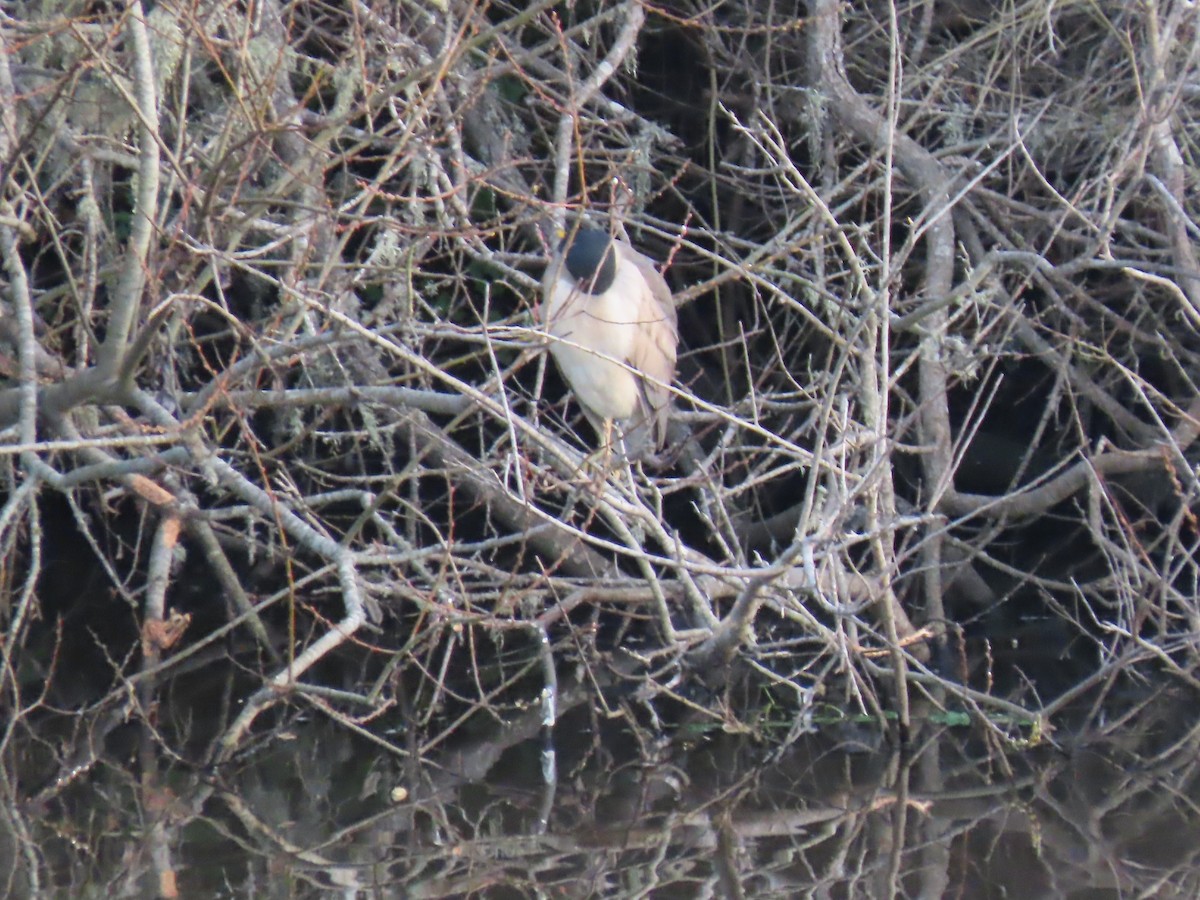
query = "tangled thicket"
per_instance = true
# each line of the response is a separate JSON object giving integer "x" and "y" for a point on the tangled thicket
{"x": 276, "y": 400}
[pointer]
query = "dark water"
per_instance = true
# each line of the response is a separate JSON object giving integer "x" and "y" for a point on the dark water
{"x": 315, "y": 811}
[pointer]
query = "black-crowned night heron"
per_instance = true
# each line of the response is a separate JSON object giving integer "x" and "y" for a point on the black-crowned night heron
{"x": 613, "y": 322}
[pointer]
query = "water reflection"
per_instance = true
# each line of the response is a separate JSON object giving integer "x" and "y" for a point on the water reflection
{"x": 314, "y": 812}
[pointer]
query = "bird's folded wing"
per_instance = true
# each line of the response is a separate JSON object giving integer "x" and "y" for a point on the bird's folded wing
{"x": 654, "y": 349}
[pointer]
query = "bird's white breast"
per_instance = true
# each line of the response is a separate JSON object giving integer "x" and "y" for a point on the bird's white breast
{"x": 596, "y": 334}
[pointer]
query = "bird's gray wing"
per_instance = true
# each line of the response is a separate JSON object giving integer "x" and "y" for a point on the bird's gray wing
{"x": 654, "y": 350}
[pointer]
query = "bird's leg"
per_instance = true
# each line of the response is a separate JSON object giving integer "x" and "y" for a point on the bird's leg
{"x": 616, "y": 456}
{"x": 606, "y": 459}
{"x": 627, "y": 467}
{"x": 602, "y": 459}
{"x": 597, "y": 464}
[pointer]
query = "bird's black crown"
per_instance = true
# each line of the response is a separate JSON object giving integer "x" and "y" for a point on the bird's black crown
{"x": 591, "y": 260}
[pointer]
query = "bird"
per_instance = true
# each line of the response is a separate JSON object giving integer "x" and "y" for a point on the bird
{"x": 614, "y": 334}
